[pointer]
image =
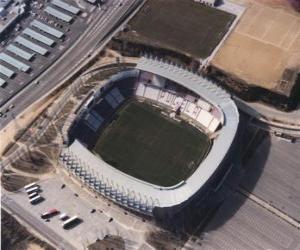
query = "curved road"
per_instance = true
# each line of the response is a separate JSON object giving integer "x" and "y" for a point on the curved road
{"x": 103, "y": 25}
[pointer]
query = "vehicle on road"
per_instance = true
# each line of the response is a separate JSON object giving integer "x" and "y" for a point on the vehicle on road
{"x": 52, "y": 212}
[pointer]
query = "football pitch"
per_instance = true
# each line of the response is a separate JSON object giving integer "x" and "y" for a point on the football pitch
{"x": 179, "y": 25}
{"x": 143, "y": 143}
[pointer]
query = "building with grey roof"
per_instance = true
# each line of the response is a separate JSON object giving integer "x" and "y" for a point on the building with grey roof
{"x": 47, "y": 29}
{"x": 30, "y": 45}
{"x": 20, "y": 52}
{"x": 6, "y": 71}
{"x": 14, "y": 62}
{"x": 68, "y": 7}
{"x": 38, "y": 37}
{"x": 58, "y": 14}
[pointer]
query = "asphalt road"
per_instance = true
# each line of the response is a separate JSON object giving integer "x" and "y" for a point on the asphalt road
{"x": 32, "y": 221}
{"x": 103, "y": 24}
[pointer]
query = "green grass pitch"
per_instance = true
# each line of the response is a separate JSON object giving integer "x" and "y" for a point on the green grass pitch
{"x": 149, "y": 146}
{"x": 179, "y": 25}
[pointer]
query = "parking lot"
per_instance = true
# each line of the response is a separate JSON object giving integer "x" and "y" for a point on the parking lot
{"x": 39, "y": 63}
{"x": 94, "y": 225}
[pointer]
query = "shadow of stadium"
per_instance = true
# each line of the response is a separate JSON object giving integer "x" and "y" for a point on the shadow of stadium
{"x": 244, "y": 176}
{"x": 196, "y": 220}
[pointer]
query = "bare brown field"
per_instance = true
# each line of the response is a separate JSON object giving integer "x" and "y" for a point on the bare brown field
{"x": 265, "y": 42}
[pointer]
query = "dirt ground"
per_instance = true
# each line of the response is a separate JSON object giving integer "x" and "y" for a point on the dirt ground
{"x": 34, "y": 161}
{"x": 7, "y": 134}
{"x": 265, "y": 42}
{"x": 15, "y": 236}
{"x": 12, "y": 181}
{"x": 109, "y": 242}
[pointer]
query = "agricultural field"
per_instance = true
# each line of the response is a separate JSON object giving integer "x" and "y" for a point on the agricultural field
{"x": 149, "y": 146}
{"x": 184, "y": 26}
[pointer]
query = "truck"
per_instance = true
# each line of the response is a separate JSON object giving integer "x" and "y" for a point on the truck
{"x": 31, "y": 185}
{"x": 32, "y": 190}
{"x": 70, "y": 223}
{"x": 36, "y": 199}
{"x": 50, "y": 213}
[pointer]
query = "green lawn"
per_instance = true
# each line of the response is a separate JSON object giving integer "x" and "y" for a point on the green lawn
{"x": 143, "y": 143}
{"x": 180, "y": 25}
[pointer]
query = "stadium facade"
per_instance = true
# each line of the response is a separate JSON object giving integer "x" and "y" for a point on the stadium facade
{"x": 214, "y": 112}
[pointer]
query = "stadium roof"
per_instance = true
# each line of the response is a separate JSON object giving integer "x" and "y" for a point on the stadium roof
{"x": 170, "y": 196}
{"x": 19, "y": 52}
{"x": 58, "y": 14}
{"x": 47, "y": 29}
{"x": 2, "y": 82}
{"x": 14, "y": 62}
{"x": 6, "y": 71}
{"x": 30, "y": 45}
{"x": 66, "y": 6}
{"x": 37, "y": 36}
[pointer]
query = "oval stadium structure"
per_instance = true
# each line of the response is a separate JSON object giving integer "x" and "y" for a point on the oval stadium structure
{"x": 153, "y": 139}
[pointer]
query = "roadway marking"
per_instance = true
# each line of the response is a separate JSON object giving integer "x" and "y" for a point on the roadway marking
{"x": 270, "y": 208}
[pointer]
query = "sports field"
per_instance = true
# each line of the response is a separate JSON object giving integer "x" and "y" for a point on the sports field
{"x": 143, "y": 143}
{"x": 179, "y": 25}
{"x": 266, "y": 41}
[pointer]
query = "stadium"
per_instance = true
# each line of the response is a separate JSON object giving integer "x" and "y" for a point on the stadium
{"x": 153, "y": 139}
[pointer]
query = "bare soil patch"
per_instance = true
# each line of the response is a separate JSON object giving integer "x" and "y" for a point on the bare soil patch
{"x": 33, "y": 162}
{"x": 12, "y": 181}
{"x": 15, "y": 236}
{"x": 109, "y": 242}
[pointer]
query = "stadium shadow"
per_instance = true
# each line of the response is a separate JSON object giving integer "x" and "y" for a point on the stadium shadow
{"x": 252, "y": 153}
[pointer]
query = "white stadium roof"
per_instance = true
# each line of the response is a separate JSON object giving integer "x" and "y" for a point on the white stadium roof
{"x": 170, "y": 196}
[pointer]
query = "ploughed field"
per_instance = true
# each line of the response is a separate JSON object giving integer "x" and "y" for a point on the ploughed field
{"x": 179, "y": 25}
{"x": 145, "y": 144}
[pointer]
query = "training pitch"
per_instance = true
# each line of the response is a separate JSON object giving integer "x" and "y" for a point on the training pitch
{"x": 145, "y": 144}
{"x": 185, "y": 26}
